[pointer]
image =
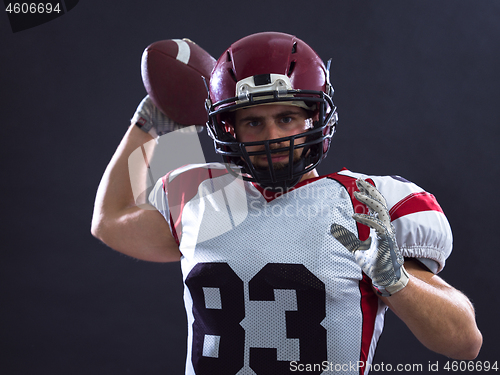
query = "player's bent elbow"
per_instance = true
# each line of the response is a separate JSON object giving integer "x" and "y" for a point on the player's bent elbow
{"x": 472, "y": 341}
{"x": 107, "y": 234}
{"x": 466, "y": 349}
{"x": 105, "y": 229}
{"x": 136, "y": 244}
{"x": 95, "y": 229}
{"x": 471, "y": 350}
{"x": 98, "y": 230}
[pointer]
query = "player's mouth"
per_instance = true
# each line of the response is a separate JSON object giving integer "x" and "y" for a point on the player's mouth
{"x": 275, "y": 158}
{"x": 279, "y": 158}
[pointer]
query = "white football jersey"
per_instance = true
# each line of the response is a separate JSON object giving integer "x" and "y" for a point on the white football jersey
{"x": 268, "y": 289}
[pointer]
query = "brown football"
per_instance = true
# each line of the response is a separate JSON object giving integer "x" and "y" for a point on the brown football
{"x": 172, "y": 71}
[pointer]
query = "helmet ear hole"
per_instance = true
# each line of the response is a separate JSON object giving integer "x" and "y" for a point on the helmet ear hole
{"x": 233, "y": 76}
{"x": 291, "y": 68}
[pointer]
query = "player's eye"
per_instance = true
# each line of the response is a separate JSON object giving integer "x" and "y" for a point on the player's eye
{"x": 253, "y": 124}
{"x": 286, "y": 120}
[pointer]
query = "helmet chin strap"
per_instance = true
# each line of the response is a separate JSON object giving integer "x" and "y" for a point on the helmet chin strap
{"x": 264, "y": 178}
{"x": 282, "y": 182}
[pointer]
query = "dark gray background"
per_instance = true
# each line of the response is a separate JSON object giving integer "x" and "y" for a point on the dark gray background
{"x": 417, "y": 88}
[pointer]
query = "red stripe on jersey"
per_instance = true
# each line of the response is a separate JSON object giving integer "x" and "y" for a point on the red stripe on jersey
{"x": 174, "y": 232}
{"x": 416, "y": 202}
{"x": 369, "y": 300}
{"x": 349, "y": 183}
{"x": 369, "y": 309}
{"x": 181, "y": 189}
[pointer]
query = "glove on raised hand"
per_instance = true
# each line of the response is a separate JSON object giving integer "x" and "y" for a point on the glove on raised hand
{"x": 380, "y": 258}
{"x": 151, "y": 120}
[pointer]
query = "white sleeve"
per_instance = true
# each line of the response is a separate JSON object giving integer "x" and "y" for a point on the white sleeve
{"x": 422, "y": 229}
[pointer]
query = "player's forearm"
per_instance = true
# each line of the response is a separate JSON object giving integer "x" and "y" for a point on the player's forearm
{"x": 114, "y": 194}
{"x": 441, "y": 318}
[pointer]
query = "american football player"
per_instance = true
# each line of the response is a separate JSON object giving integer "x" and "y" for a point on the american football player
{"x": 285, "y": 270}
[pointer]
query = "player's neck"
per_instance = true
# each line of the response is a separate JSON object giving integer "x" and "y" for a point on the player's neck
{"x": 309, "y": 175}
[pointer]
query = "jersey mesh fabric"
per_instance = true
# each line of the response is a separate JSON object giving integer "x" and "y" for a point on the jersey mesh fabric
{"x": 267, "y": 287}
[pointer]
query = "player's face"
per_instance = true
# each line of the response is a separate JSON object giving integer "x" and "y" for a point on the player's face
{"x": 266, "y": 122}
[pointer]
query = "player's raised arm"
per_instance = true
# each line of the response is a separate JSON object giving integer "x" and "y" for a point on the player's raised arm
{"x": 172, "y": 72}
{"x": 118, "y": 221}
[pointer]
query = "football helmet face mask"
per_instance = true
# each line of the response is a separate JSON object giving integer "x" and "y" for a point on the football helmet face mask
{"x": 271, "y": 68}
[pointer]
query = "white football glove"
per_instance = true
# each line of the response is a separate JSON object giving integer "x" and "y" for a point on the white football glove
{"x": 151, "y": 120}
{"x": 380, "y": 259}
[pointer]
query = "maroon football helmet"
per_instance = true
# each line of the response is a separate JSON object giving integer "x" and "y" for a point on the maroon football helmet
{"x": 275, "y": 68}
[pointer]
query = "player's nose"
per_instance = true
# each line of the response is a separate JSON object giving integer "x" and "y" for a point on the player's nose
{"x": 272, "y": 131}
